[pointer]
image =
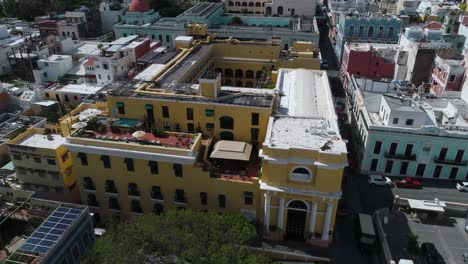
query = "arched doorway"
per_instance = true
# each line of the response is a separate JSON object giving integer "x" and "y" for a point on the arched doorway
{"x": 296, "y": 221}
{"x": 268, "y": 10}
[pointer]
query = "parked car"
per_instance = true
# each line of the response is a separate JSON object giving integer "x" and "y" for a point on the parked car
{"x": 466, "y": 226}
{"x": 431, "y": 254}
{"x": 408, "y": 183}
{"x": 462, "y": 186}
{"x": 379, "y": 180}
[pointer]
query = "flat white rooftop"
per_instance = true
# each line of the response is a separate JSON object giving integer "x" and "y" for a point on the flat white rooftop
{"x": 306, "y": 116}
{"x": 82, "y": 88}
{"x": 149, "y": 72}
{"x": 305, "y": 133}
{"x": 43, "y": 141}
{"x": 88, "y": 49}
{"x": 304, "y": 93}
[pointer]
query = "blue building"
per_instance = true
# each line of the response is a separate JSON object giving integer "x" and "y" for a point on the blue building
{"x": 64, "y": 237}
{"x": 209, "y": 18}
{"x": 374, "y": 28}
{"x": 402, "y": 135}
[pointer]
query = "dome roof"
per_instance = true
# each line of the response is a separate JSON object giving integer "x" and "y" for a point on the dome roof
{"x": 139, "y": 6}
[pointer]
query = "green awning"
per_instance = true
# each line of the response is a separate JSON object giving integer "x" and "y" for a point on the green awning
{"x": 119, "y": 104}
{"x": 148, "y": 107}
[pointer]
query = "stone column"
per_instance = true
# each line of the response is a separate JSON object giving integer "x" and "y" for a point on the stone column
{"x": 312, "y": 217}
{"x": 281, "y": 213}
{"x": 266, "y": 218}
{"x": 326, "y": 222}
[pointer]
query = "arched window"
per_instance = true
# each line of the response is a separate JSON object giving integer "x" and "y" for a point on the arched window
{"x": 92, "y": 201}
{"x": 361, "y": 31}
{"x": 239, "y": 73}
{"x": 219, "y": 70}
{"x": 244, "y": 3}
{"x": 302, "y": 174}
{"x": 370, "y": 33}
{"x": 258, "y": 74}
{"x": 249, "y": 74}
{"x": 239, "y": 83}
{"x": 229, "y": 83}
{"x": 268, "y": 10}
{"x": 249, "y": 84}
{"x": 231, "y": 3}
{"x": 380, "y": 35}
{"x": 351, "y": 31}
{"x": 258, "y": 4}
{"x": 226, "y": 122}
{"x": 226, "y": 135}
{"x": 251, "y": 4}
{"x": 390, "y": 32}
{"x": 297, "y": 204}
{"x": 228, "y": 73}
{"x": 238, "y": 4}
{"x": 280, "y": 10}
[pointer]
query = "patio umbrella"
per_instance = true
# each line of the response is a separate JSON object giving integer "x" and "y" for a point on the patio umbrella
{"x": 79, "y": 125}
{"x": 138, "y": 134}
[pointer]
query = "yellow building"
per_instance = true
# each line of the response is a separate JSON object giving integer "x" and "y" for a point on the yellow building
{"x": 43, "y": 164}
{"x": 184, "y": 139}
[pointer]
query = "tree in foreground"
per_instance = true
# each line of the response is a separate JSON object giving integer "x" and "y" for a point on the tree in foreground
{"x": 178, "y": 237}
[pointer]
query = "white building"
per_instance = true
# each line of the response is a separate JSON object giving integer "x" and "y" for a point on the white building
{"x": 52, "y": 68}
{"x": 73, "y": 26}
{"x": 115, "y": 61}
{"x": 273, "y": 7}
{"x": 110, "y": 15}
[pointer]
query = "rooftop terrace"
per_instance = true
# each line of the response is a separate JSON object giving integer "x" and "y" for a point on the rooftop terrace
{"x": 131, "y": 132}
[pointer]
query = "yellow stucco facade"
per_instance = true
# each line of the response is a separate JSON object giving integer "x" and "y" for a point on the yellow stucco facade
{"x": 170, "y": 164}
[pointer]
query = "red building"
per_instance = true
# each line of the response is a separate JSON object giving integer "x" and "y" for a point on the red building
{"x": 374, "y": 61}
{"x": 49, "y": 27}
{"x": 447, "y": 75}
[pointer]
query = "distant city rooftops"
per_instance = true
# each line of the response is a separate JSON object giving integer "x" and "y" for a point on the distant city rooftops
{"x": 203, "y": 9}
{"x": 9, "y": 123}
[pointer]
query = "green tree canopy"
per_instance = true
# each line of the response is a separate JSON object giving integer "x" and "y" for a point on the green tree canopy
{"x": 178, "y": 237}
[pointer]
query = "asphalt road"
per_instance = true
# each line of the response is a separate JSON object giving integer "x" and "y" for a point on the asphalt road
{"x": 449, "y": 194}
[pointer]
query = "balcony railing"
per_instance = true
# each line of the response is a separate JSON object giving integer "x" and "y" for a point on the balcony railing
{"x": 111, "y": 190}
{"x": 133, "y": 192}
{"x": 178, "y": 199}
{"x": 157, "y": 196}
{"x": 400, "y": 156}
{"x": 89, "y": 187}
{"x": 450, "y": 162}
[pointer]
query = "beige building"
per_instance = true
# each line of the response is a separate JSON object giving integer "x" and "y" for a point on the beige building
{"x": 43, "y": 164}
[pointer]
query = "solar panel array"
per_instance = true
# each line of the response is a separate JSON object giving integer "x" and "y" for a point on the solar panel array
{"x": 50, "y": 231}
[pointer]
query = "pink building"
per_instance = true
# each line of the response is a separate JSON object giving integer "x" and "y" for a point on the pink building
{"x": 447, "y": 75}
{"x": 374, "y": 61}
